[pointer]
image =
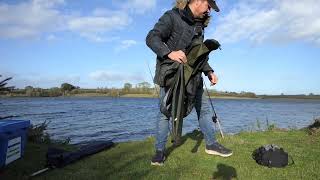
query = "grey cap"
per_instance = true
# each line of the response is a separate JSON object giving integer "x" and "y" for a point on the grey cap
{"x": 213, "y": 5}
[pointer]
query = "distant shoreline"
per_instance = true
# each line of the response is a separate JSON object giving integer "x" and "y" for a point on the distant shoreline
{"x": 156, "y": 96}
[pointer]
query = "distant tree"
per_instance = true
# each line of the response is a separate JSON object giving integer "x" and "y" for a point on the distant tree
{"x": 3, "y": 84}
{"x": 115, "y": 92}
{"x": 127, "y": 87}
{"x": 54, "y": 92}
{"x": 29, "y": 90}
{"x": 66, "y": 87}
{"x": 144, "y": 85}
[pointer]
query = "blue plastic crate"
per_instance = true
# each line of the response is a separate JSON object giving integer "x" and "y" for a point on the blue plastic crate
{"x": 13, "y": 137}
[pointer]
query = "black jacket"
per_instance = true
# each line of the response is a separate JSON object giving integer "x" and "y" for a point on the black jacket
{"x": 175, "y": 30}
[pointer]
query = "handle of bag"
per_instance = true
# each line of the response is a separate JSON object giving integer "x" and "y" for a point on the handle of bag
{"x": 292, "y": 163}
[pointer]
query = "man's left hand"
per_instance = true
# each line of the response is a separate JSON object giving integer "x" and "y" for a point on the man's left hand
{"x": 213, "y": 78}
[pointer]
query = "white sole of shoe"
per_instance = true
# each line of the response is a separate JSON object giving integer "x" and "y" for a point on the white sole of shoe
{"x": 156, "y": 164}
{"x": 217, "y": 153}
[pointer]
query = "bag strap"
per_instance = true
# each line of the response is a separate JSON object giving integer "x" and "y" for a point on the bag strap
{"x": 292, "y": 161}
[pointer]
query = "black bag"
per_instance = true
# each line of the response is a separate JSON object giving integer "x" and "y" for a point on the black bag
{"x": 271, "y": 156}
{"x": 57, "y": 158}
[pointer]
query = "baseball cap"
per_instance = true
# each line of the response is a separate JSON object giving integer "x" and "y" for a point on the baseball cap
{"x": 213, "y": 5}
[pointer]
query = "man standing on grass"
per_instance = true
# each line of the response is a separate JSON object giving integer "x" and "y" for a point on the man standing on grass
{"x": 170, "y": 38}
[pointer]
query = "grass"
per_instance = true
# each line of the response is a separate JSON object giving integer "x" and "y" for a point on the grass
{"x": 131, "y": 160}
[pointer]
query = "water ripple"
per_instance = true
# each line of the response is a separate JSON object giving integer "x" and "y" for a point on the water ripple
{"x": 127, "y": 119}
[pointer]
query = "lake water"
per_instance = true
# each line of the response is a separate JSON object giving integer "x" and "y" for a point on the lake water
{"x": 124, "y": 119}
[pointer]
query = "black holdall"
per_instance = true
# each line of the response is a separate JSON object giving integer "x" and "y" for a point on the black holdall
{"x": 271, "y": 156}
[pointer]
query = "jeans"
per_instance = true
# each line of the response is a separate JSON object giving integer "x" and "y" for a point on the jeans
{"x": 204, "y": 113}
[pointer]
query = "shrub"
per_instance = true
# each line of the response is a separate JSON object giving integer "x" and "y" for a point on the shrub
{"x": 37, "y": 133}
{"x": 315, "y": 127}
{"x": 316, "y": 124}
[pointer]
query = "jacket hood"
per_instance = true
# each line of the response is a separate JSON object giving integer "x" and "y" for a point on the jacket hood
{"x": 186, "y": 15}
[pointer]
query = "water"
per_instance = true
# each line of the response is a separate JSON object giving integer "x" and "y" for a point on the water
{"x": 125, "y": 119}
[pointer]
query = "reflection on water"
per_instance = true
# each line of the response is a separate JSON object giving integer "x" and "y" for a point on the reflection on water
{"x": 124, "y": 119}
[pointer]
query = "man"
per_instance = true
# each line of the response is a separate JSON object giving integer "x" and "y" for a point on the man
{"x": 170, "y": 39}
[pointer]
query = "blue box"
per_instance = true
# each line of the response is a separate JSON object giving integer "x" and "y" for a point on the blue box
{"x": 13, "y": 137}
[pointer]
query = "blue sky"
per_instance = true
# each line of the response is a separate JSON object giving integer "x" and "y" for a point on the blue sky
{"x": 268, "y": 46}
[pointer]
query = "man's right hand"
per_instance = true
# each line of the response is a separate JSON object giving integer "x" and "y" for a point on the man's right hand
{"x": 178, "y": 56}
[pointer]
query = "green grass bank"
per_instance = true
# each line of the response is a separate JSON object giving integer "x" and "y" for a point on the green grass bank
{"x": 131, "y": 160}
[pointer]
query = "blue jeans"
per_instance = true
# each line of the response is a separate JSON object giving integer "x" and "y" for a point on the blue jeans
{"x": 204, "y": 112}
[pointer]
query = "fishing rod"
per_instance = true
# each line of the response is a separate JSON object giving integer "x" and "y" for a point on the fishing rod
{"x": 214, "y": 117}
{"x": 155, "y": 87}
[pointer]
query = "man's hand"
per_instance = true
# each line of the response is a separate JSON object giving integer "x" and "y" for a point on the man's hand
{"x": 178, "y": 56}
{"x": 213, "y": 78}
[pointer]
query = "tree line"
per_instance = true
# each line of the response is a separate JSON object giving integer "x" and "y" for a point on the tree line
{"x": 67, "y": 89}
{"x": 143, "y": 88}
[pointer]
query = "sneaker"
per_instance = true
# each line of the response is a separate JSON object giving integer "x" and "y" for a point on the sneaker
{"x": 158, "y": 159}
{"x": 218, "y": 149}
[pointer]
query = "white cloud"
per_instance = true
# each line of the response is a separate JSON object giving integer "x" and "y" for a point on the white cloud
{"x": 137, "y": 6}
{"x": 102, "y": 75}
{"x": 34, "y": 18}
{"x": 29, "y": 19}
{"x": 94, "y": 27}
{"x": 52, "y": 37}
{"x": 277, "y": 21}
{"x": 141, "y": 6}
{"x": 128, "y": 43}
{"x": 125, "y": 44}
{"x": 47, "y": 3}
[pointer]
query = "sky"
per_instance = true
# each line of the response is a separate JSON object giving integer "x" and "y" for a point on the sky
{"x": 268, "y": 46}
